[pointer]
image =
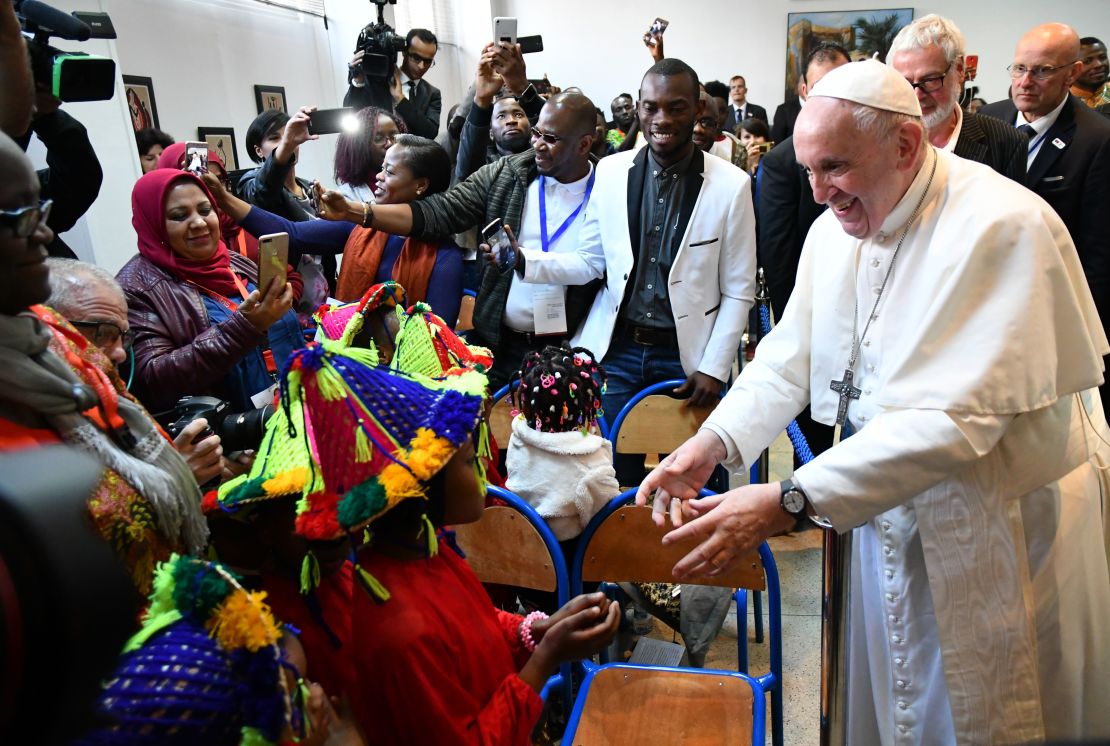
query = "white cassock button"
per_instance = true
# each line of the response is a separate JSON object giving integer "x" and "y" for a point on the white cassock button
{"x": 874, "y": 262}
{"x": 867, "y": 343}
{"x": 889, "y": 574}
{"x": 901, "y": 684}
{"x": 870, "y": 368}
{"x": 903, "y": 728}
{"x": 890, "y": 597}
{"x": 886, "y": 524}
{"x": 892, "y": 618}
{"x": 888, "y": 551}
{"x": 901, "y": 662}
{"x": 902, "y": 705}
{"x": 876, "y": 290}
{"x": 896, "y": 638}
{"x": 867, "y": 391}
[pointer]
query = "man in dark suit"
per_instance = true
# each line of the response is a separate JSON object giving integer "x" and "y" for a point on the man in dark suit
{"x": 739, "y": 108}
{"x": 786, "y": 209}
{"x": 785, "y": 115}
{"x": 1069, "y": 148}
{"x": 414, "y": 99}
{"x": 929, "y": 53}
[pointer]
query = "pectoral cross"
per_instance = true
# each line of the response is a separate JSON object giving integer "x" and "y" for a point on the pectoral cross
{"x": 846, "y": 391}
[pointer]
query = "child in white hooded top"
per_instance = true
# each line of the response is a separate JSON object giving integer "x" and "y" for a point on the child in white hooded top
{"x": 556, "y": 459}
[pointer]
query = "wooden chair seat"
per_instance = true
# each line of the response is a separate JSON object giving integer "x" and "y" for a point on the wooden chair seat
{"x": 637, "y": 705}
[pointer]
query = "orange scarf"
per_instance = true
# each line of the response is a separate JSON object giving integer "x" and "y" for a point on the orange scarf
{"x": 363, "y": 254}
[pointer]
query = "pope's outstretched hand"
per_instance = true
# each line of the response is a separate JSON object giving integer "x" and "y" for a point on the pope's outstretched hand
{"x": 680, "y": 475}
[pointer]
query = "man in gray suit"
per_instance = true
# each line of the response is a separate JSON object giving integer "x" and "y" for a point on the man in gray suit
{"x": 929, "y": 53}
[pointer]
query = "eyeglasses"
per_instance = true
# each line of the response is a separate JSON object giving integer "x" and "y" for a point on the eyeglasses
{"x": 26, "y": 220}
{"x": 548, "y": 137}
{"x": 414, "y": 58}
{"x": 105, "y": 333}
{"x": 933, "y": 84}
{"x": 1040, "y": 72}
{"x": 706, "y": 123}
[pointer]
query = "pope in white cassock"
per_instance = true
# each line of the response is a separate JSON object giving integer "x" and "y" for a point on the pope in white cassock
{"x": 943, "y": 307}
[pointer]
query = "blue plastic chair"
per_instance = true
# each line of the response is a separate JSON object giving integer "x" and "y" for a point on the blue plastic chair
{"x": 769, "y": 683}
{"x": 495, "y": 561}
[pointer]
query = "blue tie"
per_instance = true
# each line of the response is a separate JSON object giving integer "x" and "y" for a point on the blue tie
{"x": 1029, "y": 132}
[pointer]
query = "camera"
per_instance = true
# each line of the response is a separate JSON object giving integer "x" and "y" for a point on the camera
{"x": 238, "y": 431}
{"x": 764, "y": 147}
{"x": 69, "y": 76}
{"x": 379, "y": 45}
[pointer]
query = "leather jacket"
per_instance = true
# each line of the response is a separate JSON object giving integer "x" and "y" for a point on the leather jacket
{"x": 177, "y": 352}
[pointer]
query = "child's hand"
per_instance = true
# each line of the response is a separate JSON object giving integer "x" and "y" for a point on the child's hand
{"x": 570, "y": 608}
{"x": 345, "y": 730}
{"x": 582, "y": 633}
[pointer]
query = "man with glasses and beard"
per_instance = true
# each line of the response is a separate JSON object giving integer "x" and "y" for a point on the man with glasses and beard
{"x": 1069, "y": 148}
{"x": 415, "y": 100}
{"x": 929, "y": 53}
{"x": 554, "y": 179}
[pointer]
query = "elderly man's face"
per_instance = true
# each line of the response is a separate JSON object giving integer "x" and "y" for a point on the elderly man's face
{"x": 855, "y": 173}
{"x": 927, "y": 68}
{"x": 1035, "y": 97}
{"x": 103, "y": 320}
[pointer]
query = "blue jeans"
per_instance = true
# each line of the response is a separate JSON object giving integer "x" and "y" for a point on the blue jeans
{"x": 631, "y": 368}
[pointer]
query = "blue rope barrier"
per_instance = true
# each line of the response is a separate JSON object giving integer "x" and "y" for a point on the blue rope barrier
{"x": 797, "y": 439}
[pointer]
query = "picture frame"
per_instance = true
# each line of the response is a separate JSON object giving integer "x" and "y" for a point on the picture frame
{"x": 268, "y": 97}
{"x": 861, "y": 32}
{"x": 138, "y": 92}
{"x": 221, "y": 141}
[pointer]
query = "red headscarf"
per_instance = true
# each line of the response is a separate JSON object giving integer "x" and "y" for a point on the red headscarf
{"x": 148, "y": 206}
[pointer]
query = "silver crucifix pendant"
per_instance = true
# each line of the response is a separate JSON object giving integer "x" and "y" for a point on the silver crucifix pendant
{"x": 846, "y": 391}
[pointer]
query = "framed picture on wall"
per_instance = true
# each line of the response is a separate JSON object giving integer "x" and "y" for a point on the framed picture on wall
{"x": 270, "y": 97}
{"x": 139, "y": 93}
{"x": 221, "y": 141}
{"x": 861, "y": 32}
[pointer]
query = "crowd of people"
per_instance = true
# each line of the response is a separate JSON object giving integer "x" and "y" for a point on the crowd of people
{"x": 936, "y": 265}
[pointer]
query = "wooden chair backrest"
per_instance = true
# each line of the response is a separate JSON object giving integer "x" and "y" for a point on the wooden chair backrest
{"x": 503, "y": 547}
{"x": 466, "y": 314}
{"x": 640, "y": 705}
{"x": 501, "y": 421}
{"x": 659, "y": 424}
{"x": 627, "y": 547}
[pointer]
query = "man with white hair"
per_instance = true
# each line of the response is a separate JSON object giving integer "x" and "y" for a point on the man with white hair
{"x": 980, "y": 607}
{"x": 930, "y": 54}
{"x": 89, "y": 297}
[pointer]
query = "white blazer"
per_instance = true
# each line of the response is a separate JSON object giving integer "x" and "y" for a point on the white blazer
{"x": 712, "y": 281}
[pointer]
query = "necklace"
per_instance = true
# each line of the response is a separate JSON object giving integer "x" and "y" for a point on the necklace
{"x": 844, "y": 387}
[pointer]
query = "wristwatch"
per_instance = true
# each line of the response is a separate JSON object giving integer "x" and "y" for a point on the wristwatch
{"x": 795, "y": 502}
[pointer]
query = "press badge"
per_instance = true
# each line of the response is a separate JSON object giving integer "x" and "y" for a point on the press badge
{"x": 549, "y": 309}
{"x": 265, "y": 397}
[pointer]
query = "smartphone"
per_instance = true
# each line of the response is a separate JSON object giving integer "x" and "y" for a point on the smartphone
{"x": 764, "y": 147}
{"x": 504, "y": 29}
{"x": 971, "y": 66}
{"x": 530, "y": 44}
{"x": 273, "y": 258}
{"x": 494, "y": 234}
{"x": 196, "y": 157}
{"x": 543, "y": 85}
{"x": 331, "y": 121}
{"x": 658, "y": 26}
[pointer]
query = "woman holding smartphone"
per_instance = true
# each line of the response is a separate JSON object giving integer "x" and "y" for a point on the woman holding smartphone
{"x": 201, "y": 324}
{"x": 430, "y": 271}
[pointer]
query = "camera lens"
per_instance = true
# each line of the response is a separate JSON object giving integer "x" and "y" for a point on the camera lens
{"x": 244, "y": 430}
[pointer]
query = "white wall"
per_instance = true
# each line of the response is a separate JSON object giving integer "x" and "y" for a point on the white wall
{"x": 596, "y": 44}
{"x": 205, "y": 56}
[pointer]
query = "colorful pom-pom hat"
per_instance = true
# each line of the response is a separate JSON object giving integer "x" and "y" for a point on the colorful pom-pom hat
{"x": 205, "y": 668}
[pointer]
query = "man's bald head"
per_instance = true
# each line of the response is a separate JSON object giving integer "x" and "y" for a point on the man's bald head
{"x": 23, "y": 273}
{"x": 1047, "y": 58}
{"x": 580, "y": 111}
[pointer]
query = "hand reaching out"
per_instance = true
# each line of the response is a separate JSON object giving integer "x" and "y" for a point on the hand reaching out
{"x": 680, "y": 476}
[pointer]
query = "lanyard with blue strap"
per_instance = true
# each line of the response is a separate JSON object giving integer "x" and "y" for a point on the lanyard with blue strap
{"x": 545, "y": 242}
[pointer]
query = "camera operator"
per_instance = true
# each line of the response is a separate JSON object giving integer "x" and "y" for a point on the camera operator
{"x": 415, "y": 100}
{"x": 15, "y": 75}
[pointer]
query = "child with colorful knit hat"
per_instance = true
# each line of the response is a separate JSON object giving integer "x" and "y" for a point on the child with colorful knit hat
{"x": 394, "y": 460}
{"x": 557, "y": 461}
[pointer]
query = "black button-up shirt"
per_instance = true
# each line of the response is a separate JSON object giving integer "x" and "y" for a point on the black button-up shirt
{"x": 660, "y": 237}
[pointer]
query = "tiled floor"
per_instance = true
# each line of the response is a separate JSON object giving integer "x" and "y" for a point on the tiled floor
{"x": 798, "y": 557}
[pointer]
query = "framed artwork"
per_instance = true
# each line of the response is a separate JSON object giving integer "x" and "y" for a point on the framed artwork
{"x": 221, "y": 141}
{"x": 268, "y": 97}
{"x": 861, "y": 32}
{"x": 139, "y": 93}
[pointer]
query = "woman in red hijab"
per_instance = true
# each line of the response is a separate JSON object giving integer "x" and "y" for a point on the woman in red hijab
{"x": 201, "y": 325}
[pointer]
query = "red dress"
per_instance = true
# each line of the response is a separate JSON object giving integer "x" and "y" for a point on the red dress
{"x": 323, "y": 622}
{"x": 437, "y": 663}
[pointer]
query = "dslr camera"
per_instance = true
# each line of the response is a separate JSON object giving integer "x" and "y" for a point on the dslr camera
{"x": 69, "y": 76}
{"x": 238, "y": 431}
{"x": 379, "y": 45}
